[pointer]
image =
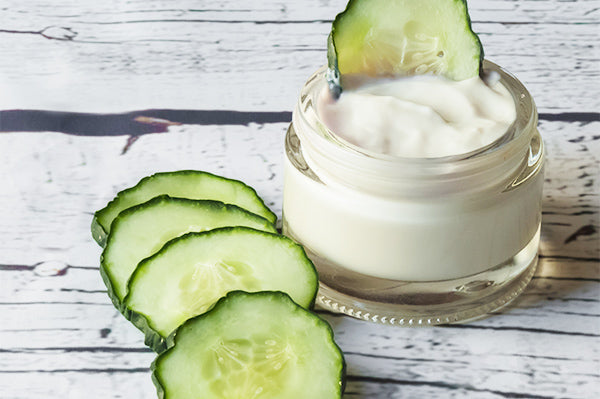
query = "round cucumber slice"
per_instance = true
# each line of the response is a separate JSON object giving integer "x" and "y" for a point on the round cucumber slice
{"x": 140, "y": 231}
{"x": 191, "y": 184}
{"x": 259, "y": 345}
{"x": 192, "y": 272}
{"x": 386, "y": 38}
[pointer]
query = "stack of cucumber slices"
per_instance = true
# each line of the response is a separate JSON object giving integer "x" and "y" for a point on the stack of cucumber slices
{"x": 195, "y": 262}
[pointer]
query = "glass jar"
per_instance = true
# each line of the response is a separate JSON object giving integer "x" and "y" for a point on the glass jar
{"x": 415, "y": 241}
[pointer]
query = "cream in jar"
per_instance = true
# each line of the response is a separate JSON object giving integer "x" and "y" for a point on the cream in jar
{"x": 416, "y": 229}
{"x": 423, "y": 116}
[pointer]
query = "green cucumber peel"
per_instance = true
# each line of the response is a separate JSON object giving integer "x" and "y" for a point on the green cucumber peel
{"x": 190, "y": 184}
{"x": 109, "y": 270}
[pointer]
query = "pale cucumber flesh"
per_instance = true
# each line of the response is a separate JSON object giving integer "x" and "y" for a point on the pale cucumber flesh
{"x": 190, "y": 273}
{"x": 386, "y": 38}
{"x": 141, "y": 231}
{"x": 252, "y": 346}
{"x": 182, "y": 184}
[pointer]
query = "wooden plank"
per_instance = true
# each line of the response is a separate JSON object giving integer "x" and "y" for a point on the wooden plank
{"x": 571, "y": 207}
{"x": 88, "y": 171}
{"x": 522, "y": 11}
{"x": 396, "y": 389}
{"x": 84, "y": 286}
{"x": 76, "y": 359}
{"x": 138, "y": 385}
{"x": 482, "y": 360}
{"x": 494, "y": 359}
{"x": 557, "y": 292}
{"x": 93, "y": 383}
{"x": 556, "y": 279}
{"x": 114, "y": 334}
{"x": 146, "y": 56}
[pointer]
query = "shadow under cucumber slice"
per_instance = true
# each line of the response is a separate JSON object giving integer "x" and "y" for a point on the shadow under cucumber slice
{"x": 189, "y": 184}
{"x": 142, "y": 230}
{"x": 252, "y": 346}
{"x": 190, "y": 273}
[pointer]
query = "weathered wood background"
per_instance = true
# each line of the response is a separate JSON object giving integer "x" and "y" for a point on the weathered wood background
{"x": 117, "y": 71}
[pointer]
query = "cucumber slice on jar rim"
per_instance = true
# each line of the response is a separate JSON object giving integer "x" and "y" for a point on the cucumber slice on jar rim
{"x": 259, "y": 345}
{"x": 190, "y": 273}
{"x": 191, "y": 184}
{"x": 387, "y": 38}
{"x": 140, "y": 231}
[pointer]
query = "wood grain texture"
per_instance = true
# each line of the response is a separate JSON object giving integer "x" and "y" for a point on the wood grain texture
{"x": 253, "y": 55}
{"x": 76, "y": 175}
{"x": 59, "y": 334}
{"x": 58, "y": 319}
{"x": 510, "y": 353}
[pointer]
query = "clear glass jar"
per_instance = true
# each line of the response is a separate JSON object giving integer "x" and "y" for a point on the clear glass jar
{"x": 411, "y": 241}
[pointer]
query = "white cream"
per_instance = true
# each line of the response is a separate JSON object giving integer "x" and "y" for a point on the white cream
{"x": 420, "y": 116}
{"x": 427, "y": 239}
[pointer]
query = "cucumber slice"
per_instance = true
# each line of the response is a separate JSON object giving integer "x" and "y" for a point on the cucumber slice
{"x": 190, "y": 273}
{"x": 259, "y": 345}
{"x": 383, "y": 38}
{"x": 190, "y": 184}
{"x": 142, "y": 230}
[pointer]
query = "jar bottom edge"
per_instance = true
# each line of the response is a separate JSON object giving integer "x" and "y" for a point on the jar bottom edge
{"x": 416, "y": 304}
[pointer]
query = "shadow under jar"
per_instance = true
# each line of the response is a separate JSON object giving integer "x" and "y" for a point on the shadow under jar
{"x": 415, "y": 241}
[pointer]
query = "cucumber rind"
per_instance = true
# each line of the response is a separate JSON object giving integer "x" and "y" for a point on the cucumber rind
{"x": 333, "y": 71}
{"x": 221, "y": 303}
{"x": 204, "y": 204}
{"x": 99, "y": 234}
{"x": 152, "y": 339}
{"x": 99, "y": 227}
{"x": 333, "y": 54}
{"x": 160, "y": 343}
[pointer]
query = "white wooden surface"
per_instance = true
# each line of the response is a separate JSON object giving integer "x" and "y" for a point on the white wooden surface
{"x": 59, "y": 334}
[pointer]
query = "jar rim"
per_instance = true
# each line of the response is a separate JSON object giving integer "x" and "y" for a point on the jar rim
{"x": 524, "y": 104}
{"x": 347, "y": 165}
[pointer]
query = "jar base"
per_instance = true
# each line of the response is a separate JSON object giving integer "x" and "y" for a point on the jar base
{"x": 424, "y": 303}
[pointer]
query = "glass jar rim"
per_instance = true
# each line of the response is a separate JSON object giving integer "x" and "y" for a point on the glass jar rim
{"x": 524, "y": 104}
{"x": 340, "y": 162}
